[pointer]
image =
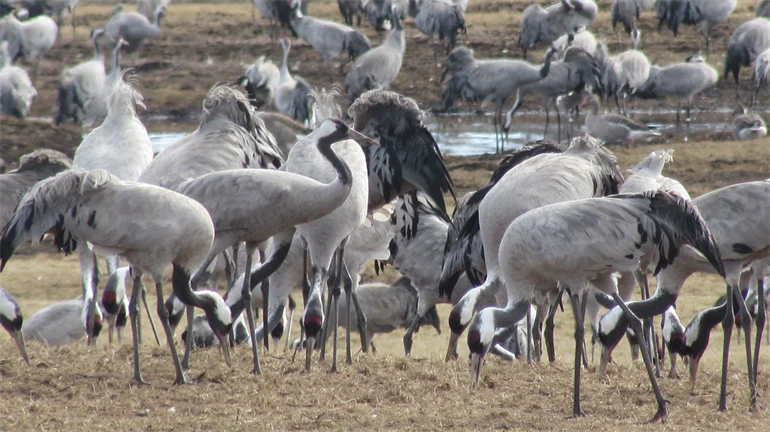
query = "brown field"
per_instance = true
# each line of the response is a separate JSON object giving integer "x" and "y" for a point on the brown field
{"x": 78, "y": 388}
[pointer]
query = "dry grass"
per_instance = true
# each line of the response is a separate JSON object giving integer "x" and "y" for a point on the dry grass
{"x": 76, "y": 387}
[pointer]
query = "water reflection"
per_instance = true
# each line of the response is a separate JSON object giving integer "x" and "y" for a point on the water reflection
{"x": 471, "y": 134}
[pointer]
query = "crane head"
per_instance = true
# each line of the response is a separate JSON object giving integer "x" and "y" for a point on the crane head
{"x": 11, "y": 320}
{"x": 481, "y": 335}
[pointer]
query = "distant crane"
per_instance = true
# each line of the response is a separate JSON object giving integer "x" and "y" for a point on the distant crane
{"x": 16, "y": 90}
{"x": 747, "y": 42}
{"x": 626, "y": 12}
{"x": 442, "y": 19}
{"x": 291, "y": 95}
{"x": 30, "y": 39}
{"x": 547, "y": 25}
{"x": 761, "y": 73}
{"x": 704, "y": 14}
{"x": 135, "y": 29}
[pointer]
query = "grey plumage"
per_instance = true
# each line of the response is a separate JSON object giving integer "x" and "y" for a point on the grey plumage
{"x": 577, "y": 70}
{"x": 33, "y": 167}
{"x": 350, "y": 9}
{"x": 488, "y": 81}
{"x": 626, "y": 12}
{"x": 52, "y": 8}
{"x": 747, "y": 42}
{"x": 747, "y": 126}
{"x": 229, "y": 136}
{"x": 614, "y": 128}
{"x": 134, "y": 28}
{"x": 763, "y": 9}
{"x": 381, "y": 13}
{"x": 148, "y": 7}
{"x": 291, "y": 97}
{"x": 285, "y": 130}
{"x": 16, "y": 90}
{"x": 379, "y": 66}
{"x": 261, "y": 82}
{"x": 330, "y": 39}
{"x": 581, "y": 39}
{"x": 150, "y": 227}
{"x": 278, "y": 12}
{"x": 761, "y": 73}
{"x": 408, "y": 157}
{"x": 623, "y": 74}
{"x": 547, "y": 25}
{"x": 680, "y": 81}
{"x": 59, "y": 324}
{"x": 703, "y": 14}
{"x": 442, "y": 19}
{"x": 30, "y": 39}
{"x": 79, "y": 85}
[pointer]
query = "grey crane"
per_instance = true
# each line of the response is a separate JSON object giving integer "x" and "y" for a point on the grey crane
{"x": 584, "y": 170}
{"x": 763, "y": 9}
{"x": 440, "y": 19}
{"x": 254, "y": 205}
{"x": 150, "y": 227}
{"x": 747, "y": 126}
{"x": 381, "y": 13}
{"x": 747, "y": 42}
{"x": 33, "y": 167}
{"x": 328, "y": 38}
{"x": 121, "y": 146}
{"x": 560, "y": 242}
{"x": 547, "y": 25}
{"x": 80, "y": 84}
{"x": 614, "y": 128}
{"x": 12, "y": 321}
{"x": 135, "y": 29}
{"x": 673, "y": 335}
{"x": 328, "y": 235}
{"x": 488, "y": 81}
{"x": 30, "y": 39}
{"x": 61, "y": 323}
{"x": 680, "y": 81}
{"x": 229, "y": 136}
{"x": 96, "y": 107}
{"x": 291, "y": 97}
{"x": 16, "y": 90}
{"x": 703, "y": 14}
{"x": 350, "y": 9}
{"x": 379, "y": 66}
{"x": 624, "y": 74}
{"x": 389, "y": 307}
{"x": 52, "y": 8}
{"x": 582, "y": 39}
{"x": 626, "y": 12}
{"x": 737, "y": 216}
{"x": 761, "y": 73}
{"x": 261, "y": 82}
{"x": 576, "y": 71}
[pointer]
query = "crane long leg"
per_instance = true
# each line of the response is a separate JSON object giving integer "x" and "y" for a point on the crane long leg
{"x": 163, "y": 314}
{"x": 362, "y": 327}
{"x": 649, "y": 328}
{"x": 265, "y": 287}
{"x": 149, "y": 316}
{"x": 292, "y": 309}
{"x": 558, "y": 126}
{"x": 335, "y": 298}
{"x": 353, "y": 297}
{"x": 329, "y": 69}
{"x": 579, "y": 339}
{"x": 529, "y": 338}
{"x": 746, "y": 324}
{"x": 547, "y": 120}
{"x": 409, "y": 331}
{"x": 246, "y": 296}
{"x": 537, "y": 334}
{"x": 760, "y": 322}
{"x": 549, "y": 327}
{"x": 727, "y": 328}
{"x": 190, "y": 313}
{"x": 636, "y": 324}
{"x": 133, "y": 313}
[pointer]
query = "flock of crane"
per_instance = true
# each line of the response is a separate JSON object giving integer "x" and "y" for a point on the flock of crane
{"x": 275, "y": 204}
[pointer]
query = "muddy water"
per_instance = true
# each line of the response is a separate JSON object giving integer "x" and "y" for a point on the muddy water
{"x": 471, "y": 134}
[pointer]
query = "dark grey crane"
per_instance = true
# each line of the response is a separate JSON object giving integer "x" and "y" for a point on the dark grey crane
{"x": 330, "y": 39}
{"x": 440, "y": 19}
{"x": 379, "y": 66}
{"x": 547, "y": 25}
{"x": 79, "y": 84}
{"x": 381, "y": 13}
{"x": 747, "y": 42}
{"x": 626, "y": 12}
{"x": 278, "y": 12}
{"x": 576, "y": 71}
{"x": 135, "y": 29}
{"x": 703, "y": 14}
{"x": 761, "y": 73}
{"x": 261, "y": 82}
{"x": 350, "y": 9}
{"x": 763, "y": 9}
{"x": 488, "y": 81}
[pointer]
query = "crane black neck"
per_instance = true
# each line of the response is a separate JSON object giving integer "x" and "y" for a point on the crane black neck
{"x": 325, "y": 147}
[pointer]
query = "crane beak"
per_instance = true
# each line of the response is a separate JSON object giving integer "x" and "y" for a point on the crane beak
{"x": 450, "y": 349}
{"x": 224, "y": 345}
{"x": 477, "y": 360}
{"x": 361, "y": 138}
{"x": 693, "y": 373}
{"x": 604, "y": 361}
{"x": 18, "y": 337}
